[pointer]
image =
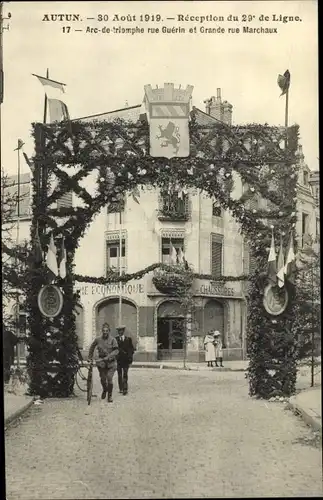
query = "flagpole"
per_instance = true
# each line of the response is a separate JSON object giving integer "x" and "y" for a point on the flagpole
{"x": 42, "y": 174}
{"x": 17, "y": 244}
{"x": 286, "y": 117}
{"x": 45, "y": 102}
{"x": 120, "y": 268}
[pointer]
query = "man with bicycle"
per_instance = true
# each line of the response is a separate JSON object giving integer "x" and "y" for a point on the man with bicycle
{"x": 107, "y": 347}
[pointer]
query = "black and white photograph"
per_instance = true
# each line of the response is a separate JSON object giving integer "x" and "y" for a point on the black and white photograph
{"x": 160, "y": 247}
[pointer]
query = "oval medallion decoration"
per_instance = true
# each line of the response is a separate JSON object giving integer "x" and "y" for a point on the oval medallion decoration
{"x": 275, "y": 299}
{"x": 50, "y": 301}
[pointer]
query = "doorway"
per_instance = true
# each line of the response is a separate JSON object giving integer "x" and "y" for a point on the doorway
{"x": 170, "y": 338}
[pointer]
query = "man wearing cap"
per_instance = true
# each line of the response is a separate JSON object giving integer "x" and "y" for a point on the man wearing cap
{"x": 124, "y": 359}
{"x": 107, "y": 347}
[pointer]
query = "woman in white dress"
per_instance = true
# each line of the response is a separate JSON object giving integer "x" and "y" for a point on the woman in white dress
{"x": 209, "y": 349}
{"x": 218, "y": 348}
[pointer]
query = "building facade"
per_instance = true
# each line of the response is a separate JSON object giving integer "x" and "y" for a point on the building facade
{"x": 143, "y": 234}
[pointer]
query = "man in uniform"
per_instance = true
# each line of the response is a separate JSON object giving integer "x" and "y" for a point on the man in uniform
{"x": 107, "y": 347}
{"x": 125, "y": 358}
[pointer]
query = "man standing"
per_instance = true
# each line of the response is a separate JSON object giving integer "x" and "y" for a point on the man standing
{"x": 125, "y": 358}
{"x": 107, "y": 363}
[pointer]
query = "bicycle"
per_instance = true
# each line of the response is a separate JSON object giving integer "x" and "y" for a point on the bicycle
{"x": 84, "y": 377}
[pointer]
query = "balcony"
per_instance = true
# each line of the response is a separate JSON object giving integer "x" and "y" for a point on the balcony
{"x": 173, "y": 208}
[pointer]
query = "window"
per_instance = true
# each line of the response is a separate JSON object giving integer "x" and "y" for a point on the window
{"x": 173, "y": 206}
{"x": 304, "y": 227}
{"x": 216, "y": 254}
{"x": 66, "y": 201}
{"x": 305, "y": 177}
{"x": 113, "y": 252}
{"x": 11, "y": 191}
{"x": 21, "y": 329}
{"x": 167, "y": 243}
{"x": 216, "y": 210}
{"x": 115, "y": 205}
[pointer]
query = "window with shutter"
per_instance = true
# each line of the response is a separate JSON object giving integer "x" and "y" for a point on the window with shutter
{"x": 112, "y": 256}
{"x": 114, "y": 206}
{"x": 245, "y": 258}
{"x": 216, "y": 255}
{"x": 216, "y": 209}
{"x": 24, "y": 195}
{"x": 173, "y": 207}
{"x": 66, "y": 201}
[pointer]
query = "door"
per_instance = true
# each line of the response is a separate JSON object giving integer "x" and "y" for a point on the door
{"x": 170, "y": 338}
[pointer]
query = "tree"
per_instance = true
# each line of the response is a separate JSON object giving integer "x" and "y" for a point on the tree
{"x": 176, "y": 281}
{"x": 308, "y": 303}
{"x": 14, "y": 254}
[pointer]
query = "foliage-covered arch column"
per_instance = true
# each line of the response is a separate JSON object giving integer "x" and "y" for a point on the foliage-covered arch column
{"x": 117, "y": 154}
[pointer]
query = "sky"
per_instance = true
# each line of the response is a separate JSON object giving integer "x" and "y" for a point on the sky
{"x": 103, "y": 71}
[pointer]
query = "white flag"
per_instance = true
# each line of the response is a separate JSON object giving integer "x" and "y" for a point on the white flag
{"x": 54, "y": 91}
{"x": 280, "y": 266}
{"x": 51, "y": 258}
{"x": 62, "y": 264}
{"x": 181, "y": 256}
{"x": 173, "y": 255}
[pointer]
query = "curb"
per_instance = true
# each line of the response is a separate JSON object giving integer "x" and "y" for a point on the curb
{"x": 15, "y": 415}
{"x": 309, "y": 416}
{"x": 161, "y": 366}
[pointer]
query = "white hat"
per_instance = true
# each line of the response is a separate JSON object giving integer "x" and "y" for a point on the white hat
{"x": 216, "y": 333}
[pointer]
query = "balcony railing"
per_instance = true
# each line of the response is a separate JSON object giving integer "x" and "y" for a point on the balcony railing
{"x": 173, "y": 208}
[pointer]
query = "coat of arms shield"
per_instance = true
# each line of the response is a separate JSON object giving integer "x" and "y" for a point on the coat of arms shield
{"x": 168, "y": 116}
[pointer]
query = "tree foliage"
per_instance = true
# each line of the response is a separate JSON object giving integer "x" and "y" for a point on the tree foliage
{"x": 307, "y": 328}
{"x": 14, "y": 255}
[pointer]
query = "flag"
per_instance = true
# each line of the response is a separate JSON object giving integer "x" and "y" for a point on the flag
{"x": 284, "y": 82}
{"x": 173, "y": 255}
{"x": 57, "y": 108}
{"x": 136, "y": 194}
{"x": 272, "y": 268}
{"x": 37, "y": 249}
{"x": 181, "y": 256}
{"x": 280, "y": 266}
{"x": 20, "y": 144}
{"x": 290, "y": 266}
{"x": 29, "y": 163}
{"x": 62, "y": 264}
{"x": 51, "y": 258}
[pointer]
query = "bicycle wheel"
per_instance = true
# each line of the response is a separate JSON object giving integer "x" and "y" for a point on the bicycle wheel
{"x": 89, "y": 384}
{"x": 81, "y": 378}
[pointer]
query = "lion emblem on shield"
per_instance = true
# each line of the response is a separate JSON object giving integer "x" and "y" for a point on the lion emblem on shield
{"x": 170, "y": 135}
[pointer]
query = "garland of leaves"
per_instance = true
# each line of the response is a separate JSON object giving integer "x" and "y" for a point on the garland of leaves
{"x": 118, "y": 152}
{"x": 114, "y": 277}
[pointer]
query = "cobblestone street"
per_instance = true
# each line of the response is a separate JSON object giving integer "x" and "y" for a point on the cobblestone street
{"x": 176, "y": 434}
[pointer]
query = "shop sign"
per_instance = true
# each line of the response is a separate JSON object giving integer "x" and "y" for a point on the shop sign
{"x": 214, "y": 288}
{"x": 111, "y": 289}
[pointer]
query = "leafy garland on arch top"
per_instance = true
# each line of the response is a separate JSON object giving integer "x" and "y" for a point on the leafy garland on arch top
{"x": 118, "y": 153}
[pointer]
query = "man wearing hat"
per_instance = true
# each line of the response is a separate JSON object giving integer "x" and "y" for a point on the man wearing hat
{"x": 218, "y": 348}
{"x": 124, "y": 359}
